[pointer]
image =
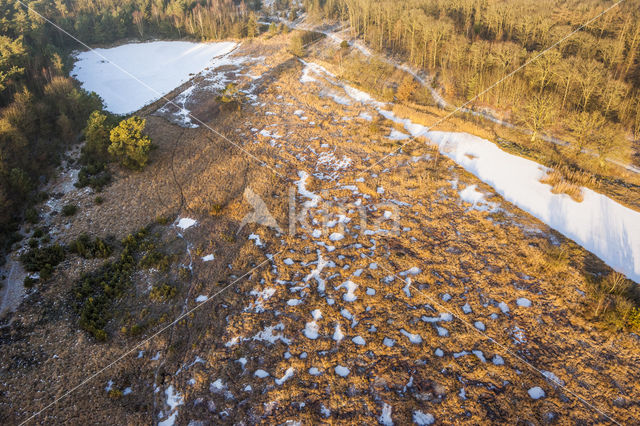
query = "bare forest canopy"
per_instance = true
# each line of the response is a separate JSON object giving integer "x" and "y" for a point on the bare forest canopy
{"x": 589, "y": 86}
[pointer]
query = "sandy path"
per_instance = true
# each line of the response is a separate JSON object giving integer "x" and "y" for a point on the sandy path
{"x": 13, "y": 288}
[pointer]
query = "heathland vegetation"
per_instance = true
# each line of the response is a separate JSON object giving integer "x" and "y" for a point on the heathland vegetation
{"x": 587, "y": 89}
{"x": 43, "y": 112}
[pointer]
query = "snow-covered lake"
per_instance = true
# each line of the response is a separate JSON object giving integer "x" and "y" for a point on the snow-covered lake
{"x": 130, "y": 76}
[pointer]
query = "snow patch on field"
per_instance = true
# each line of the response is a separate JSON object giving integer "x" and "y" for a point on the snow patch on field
{"x": 311, "y": 328}
{"x": 536, "y": 392}
{"x": 302, "y": 190}
{"x": 342, "y": 371}
{"x": 606, "y": 228}
{"x": 396, "y": 135}
{"x": 174, "y": 399}
{"x": 161, "y": 65}
{"x": 186, "y": 223}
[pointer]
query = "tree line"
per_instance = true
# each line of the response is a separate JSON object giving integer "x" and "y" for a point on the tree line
{"x": 43, "y": 112}
{"x": 588, "y": 85}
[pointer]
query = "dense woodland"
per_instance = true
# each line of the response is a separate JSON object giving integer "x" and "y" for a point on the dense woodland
{"x": 42, "y": 110}
{"x": 588, "y": 87}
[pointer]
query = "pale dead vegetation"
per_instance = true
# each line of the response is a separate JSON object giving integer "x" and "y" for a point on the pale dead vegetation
{"x": 560, "y": 185}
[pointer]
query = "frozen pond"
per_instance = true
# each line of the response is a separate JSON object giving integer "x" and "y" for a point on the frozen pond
{"x": 130, "y": 76}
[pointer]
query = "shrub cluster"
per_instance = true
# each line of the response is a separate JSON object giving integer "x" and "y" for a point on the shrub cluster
{"x": 43, "y": 260}
{"x": 69, "y": 210}
{"x": 95, "y": 292}
{"x": 95, "y": 175}
{"x": 91, "y": 249}
{"x": 162, "y": 292}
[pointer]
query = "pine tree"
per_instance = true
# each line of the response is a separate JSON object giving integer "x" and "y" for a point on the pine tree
{"x": 128, "y": 144}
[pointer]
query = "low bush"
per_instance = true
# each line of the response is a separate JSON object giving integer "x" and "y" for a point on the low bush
{"x": 155, "y": 259}
{"x": 43, "y": 259}
{"x": 162, "y": 293}
{"x": 91, "y": 248}
{"x": 556, "y": 257}
{"x": 31, "y": 215}
{"x": 215, "y": 209}
{"x": 95, "y": 175}
{"x": 615, "y": 300}
{"x": 95, "y": 292}
{"x": 69, "y": 210}
{"x": 29, "y": 282}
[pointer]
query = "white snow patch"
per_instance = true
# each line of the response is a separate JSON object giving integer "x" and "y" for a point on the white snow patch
{"x": 260, "y": 373}
{"x": 186, "y": 223}
{"x": 302, "y": 190}
{"x": 287, "y": 375}
{"x": 358, "y": 340}
{"x": 385, "y": 416}
{"x": 337, "y": 333}
{"x": 314, "y": 371}
{"x": 174, "y": 399}
{"x": 315, "y": 274}
{"x": 256, "y": 240}
{"x": 311, "y": 328}
{"x": 413, "y": 338}
{"x": 267, "y": 335}
{"x": 158, "y": 67}
{"x": 336, "y": 236}
{"x": 342, "y": 371}
{"x": 411, "y": 271}
{"x": 423, "y": 419}
{"x": 523, "y": 302}
{"x": 536, "y": 392}
{"x": 217, "y": 386}
{"x": 351, "y": 287}
{"x": 497, "y": 360}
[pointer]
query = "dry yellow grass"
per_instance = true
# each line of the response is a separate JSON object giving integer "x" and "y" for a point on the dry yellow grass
{"x": 560, "y": 185}
{"x": 612, "y": 180}
{"x": 474, "y": 257}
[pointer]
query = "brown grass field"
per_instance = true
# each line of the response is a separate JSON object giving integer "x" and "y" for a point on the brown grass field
{"x": 471, "y": 262}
